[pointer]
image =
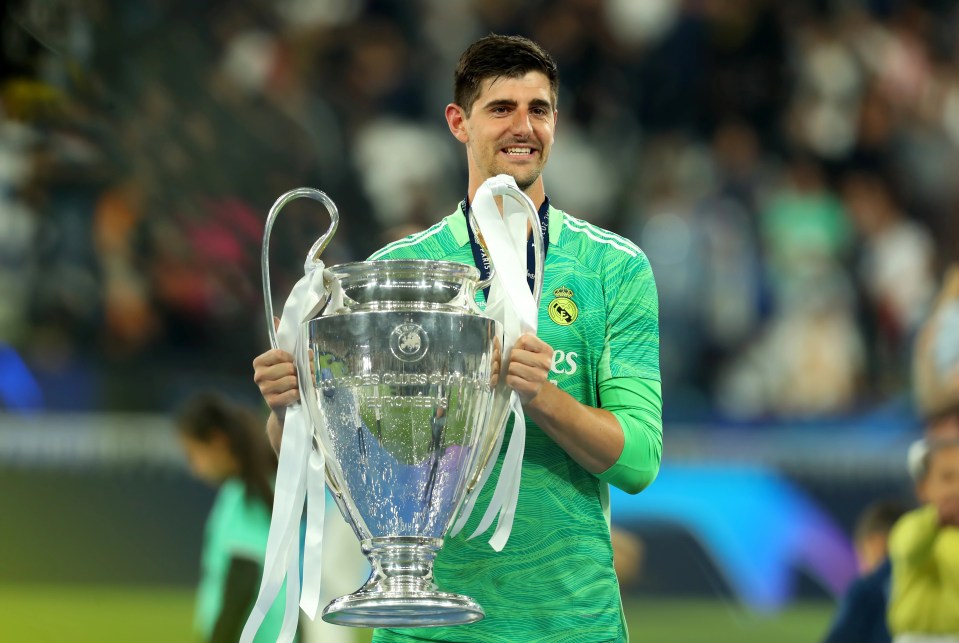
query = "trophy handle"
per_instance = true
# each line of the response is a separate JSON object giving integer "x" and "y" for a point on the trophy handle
{"x": 536, "y": 230}
{"x": 312, "y": 257}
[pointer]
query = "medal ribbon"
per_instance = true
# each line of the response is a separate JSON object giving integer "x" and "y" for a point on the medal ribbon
{"x": 515, "y": 307}
{"x": 481, "y": 258}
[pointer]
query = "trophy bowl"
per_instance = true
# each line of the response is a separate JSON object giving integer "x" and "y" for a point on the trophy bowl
{"x": 401, "y": 391}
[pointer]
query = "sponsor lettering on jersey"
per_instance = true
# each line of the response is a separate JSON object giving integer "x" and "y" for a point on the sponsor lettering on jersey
{"x": 564, "y": 363}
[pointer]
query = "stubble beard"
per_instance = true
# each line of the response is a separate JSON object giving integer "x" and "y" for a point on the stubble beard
{"x": 524, "y": 179}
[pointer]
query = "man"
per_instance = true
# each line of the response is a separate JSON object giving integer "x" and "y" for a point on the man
{"x": 589, "y": 382}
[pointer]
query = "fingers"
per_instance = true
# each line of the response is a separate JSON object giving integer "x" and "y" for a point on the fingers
{"x": 496, "y": 362}
{"x": 280, "y": 392}
{"x": 529, "y": 364}
{"x": 531, "y": 351}
{"x": 532, "y": 343}
{"x": 525, "y": 380}
{"x": 271, "y": 357}
{"x": 275, "y": 375}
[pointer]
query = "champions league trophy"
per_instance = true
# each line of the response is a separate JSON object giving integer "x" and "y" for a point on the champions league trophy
{"x": 399, "y": 375}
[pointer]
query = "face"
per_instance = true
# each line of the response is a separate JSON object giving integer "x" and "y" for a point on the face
{"x": 871, "y": 551}
{"x": 509, "y": 129}
{"x": 942, "y": 480}
{"x": 210, "y": 461}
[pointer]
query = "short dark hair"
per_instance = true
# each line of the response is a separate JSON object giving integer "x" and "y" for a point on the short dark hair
{"x": 496, "y": 56}
{"x": 878, "y": 518}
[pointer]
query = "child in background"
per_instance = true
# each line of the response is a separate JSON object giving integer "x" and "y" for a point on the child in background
{"x": 924, "y": 550}
{"x": 862, "y": 614}
{"x": 226, "y": 447}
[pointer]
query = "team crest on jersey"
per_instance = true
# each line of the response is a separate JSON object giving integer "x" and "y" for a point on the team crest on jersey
{"x": 562, "y": 310}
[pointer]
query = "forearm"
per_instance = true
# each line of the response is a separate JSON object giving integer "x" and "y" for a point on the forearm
{"x": 274, "y": 431}
{"x": 592, "y": 437}
{"x": 913, "y": 537}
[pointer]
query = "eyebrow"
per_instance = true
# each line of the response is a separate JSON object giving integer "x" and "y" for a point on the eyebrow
{"x": 505, "y": 102}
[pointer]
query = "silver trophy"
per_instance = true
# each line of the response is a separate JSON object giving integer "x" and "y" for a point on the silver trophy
{"x": 404, "y": 405}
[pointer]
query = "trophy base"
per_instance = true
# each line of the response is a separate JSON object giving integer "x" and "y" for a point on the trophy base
{"x": 401, "y": 591}
{"x": 388, "y": 609}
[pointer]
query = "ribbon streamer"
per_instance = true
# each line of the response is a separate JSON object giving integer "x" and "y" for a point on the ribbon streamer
{"x": 512, "y": 304}
{"x": 299, "y": 475}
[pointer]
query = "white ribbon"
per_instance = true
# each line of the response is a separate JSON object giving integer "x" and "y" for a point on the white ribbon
{"x": 300, "y": 474}
{"x": 512, "y": 304}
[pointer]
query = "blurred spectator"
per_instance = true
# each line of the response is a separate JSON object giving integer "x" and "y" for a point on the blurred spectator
{"x": 774, "y": 160}
{"x": 806, "y": 365}
{"x": 936, "y": 364}
{"x": 805, "y": 233}
{"x": 895, "y": 268}
{"x": 861, "y": 617}
{"x": 225, "y": 446}
{"x": 629, "y": 552}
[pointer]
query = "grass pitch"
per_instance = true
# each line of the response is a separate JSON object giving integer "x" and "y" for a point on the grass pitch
{"x": 83, "y": 614}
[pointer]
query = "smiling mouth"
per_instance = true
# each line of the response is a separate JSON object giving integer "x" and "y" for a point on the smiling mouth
{"x": 518, "y": 151}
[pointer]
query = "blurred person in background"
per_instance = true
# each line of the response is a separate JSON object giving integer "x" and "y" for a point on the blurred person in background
{"x": 629, "y": 553}
{"x": 225, "y": 447}
{"x": 896, "y": 273}
{"x": 862, "y": 614}
{"x": 924, "y": 550}
{"x": 594, "y": 406}
{"x": 936, "y": 363}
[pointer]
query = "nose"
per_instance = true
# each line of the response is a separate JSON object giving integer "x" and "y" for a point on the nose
{"x": 521, "y": 126}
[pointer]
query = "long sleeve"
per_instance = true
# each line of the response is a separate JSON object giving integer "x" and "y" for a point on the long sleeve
{"x": 925, "y": 575}
{"x": 637, "y": 404}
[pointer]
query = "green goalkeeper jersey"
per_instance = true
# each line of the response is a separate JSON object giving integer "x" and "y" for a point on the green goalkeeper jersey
{"x": 554, "y": 580}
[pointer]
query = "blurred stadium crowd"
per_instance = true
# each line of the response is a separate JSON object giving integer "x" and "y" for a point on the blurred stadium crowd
{"x": 788, "y": 167}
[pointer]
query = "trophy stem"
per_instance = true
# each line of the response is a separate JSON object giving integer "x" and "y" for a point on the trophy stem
{"x": 401, "y": 591}
{"x": 402, "y": 564}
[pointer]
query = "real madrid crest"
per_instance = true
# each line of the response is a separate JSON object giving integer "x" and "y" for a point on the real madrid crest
{"x": 562, "y": 310}
{"x": 408, "y": 342}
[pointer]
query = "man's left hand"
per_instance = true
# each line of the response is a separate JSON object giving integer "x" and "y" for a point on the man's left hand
{"x": 529, "y": 364}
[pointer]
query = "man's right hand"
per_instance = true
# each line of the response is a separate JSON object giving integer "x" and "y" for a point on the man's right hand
{"x": 275, "y": 375}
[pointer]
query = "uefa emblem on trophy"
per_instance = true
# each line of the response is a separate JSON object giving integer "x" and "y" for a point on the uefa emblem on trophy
{"x": 398, "y": 371}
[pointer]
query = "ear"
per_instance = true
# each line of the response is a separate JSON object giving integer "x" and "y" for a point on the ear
{"x": 922, "y": 490}
{"x": 456, "y": 119}
{"x": 219, "y": 438}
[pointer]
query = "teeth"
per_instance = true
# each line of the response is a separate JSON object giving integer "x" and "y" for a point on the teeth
{"x": 518, "y": 150}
